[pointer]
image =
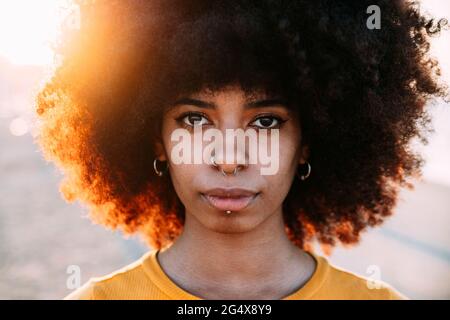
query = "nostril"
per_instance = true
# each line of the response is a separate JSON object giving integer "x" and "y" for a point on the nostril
{"x": 230, "y": 169}
{"x": 226, "y": 169}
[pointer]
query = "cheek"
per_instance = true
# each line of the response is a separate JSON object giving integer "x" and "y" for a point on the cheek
{"x": 289, "y": 151}
{"x": 289, "y": 147}
{"x": 181, "y": 175}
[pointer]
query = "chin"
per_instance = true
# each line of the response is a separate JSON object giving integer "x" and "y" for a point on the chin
{"x": 236, "y": 222}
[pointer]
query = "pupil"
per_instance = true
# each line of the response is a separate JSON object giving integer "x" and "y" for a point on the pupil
{"x": 195, "y": 118}
{"x": 266, "y": 122}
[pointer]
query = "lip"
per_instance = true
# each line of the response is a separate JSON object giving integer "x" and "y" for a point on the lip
{"x": 232, "y": 199}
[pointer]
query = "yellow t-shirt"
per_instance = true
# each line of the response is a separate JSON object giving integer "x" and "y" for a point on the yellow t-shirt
{"x": 144, "y": 279}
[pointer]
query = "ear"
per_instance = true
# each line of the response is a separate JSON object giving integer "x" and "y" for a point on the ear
{"x": 160, "y": 152}
{"x": 304, "y": 154}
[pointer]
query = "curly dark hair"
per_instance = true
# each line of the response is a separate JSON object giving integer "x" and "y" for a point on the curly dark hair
{"x": 360, "y": 93}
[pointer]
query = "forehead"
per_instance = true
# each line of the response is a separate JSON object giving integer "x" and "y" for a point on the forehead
{"x": 234, "y": 92}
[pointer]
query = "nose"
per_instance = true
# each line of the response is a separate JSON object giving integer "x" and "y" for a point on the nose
{"x": 231, "y": 156}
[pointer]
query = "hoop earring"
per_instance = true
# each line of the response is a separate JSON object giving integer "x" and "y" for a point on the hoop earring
{"x": 305, "y": 176}
{"x": 158, "y": 172}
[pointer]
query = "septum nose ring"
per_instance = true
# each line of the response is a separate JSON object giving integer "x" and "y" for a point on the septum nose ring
{"x": 213, "y": 161}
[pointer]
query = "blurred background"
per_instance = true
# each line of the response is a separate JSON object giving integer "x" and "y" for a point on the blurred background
{"x": 41, "y": 235}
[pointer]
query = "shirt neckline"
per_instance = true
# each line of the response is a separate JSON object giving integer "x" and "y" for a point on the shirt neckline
{"x": 158, "y": 276}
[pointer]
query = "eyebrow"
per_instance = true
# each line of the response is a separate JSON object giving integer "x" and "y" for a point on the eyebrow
{"x": 249, "y": 105}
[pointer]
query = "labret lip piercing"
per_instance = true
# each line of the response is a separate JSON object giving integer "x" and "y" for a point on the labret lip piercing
{"x": 228, "y": 212}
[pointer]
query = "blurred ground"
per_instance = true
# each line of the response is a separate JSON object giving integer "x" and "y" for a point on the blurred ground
{"x": 411, "y": 250}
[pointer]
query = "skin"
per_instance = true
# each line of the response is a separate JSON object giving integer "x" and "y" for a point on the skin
{"x": 247, "y": 254}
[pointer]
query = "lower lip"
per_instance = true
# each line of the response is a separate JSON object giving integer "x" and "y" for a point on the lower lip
{"x": 229, "y": 204}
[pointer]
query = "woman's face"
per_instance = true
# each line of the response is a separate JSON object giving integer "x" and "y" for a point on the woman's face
{"x": 208, "y": 190}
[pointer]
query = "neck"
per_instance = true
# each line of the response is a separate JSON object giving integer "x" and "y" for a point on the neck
{"x": 262, "y": 257}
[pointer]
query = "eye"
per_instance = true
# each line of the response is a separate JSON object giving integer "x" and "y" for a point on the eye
{"x": 267, "y": 122}
{"x": 194, "y": 119}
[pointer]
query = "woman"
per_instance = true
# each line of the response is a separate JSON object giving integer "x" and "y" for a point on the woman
{"x": 339, "y": 101}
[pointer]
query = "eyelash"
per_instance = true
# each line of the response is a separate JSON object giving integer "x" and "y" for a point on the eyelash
{"x": 181, "y": 121}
